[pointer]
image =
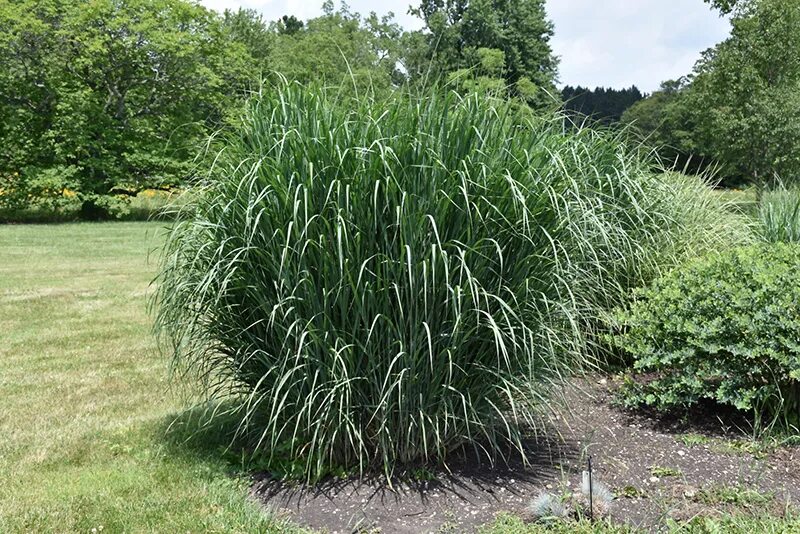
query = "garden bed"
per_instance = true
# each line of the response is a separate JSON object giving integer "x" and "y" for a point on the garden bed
{"x": 660, "y": 469}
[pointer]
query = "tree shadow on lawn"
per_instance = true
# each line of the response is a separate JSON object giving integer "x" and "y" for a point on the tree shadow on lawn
{"x": 466, "y": 492}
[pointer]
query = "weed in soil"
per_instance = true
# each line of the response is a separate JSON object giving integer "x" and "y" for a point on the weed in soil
{"x": 664, "y": 472}
{"x": 693, "y": 440}
{"x": 733, "y": 495}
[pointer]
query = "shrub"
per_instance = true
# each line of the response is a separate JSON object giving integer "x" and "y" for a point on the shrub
{"x": 53, "y": 195}
{"x": 372, "y": 283}
{"x": 51, "y": 189}
{"x": 47, "y": 196}
{"x": 726, "y": 328}
{"x": 779, "y": 215}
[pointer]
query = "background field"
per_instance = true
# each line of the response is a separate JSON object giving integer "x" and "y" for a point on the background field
{"x": 85, "y": 394}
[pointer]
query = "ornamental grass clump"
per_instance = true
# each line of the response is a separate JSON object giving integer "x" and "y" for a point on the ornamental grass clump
{"x": 368, "y": 284}
{"x": 779, "y": 215}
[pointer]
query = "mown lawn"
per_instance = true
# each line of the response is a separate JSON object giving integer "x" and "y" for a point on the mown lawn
{"x": 85, "y": 399}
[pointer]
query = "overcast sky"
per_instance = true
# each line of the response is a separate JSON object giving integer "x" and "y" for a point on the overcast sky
{"x": 613, "y": 43}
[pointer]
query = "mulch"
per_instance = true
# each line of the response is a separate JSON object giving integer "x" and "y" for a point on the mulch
{"x": 625, "y": 448}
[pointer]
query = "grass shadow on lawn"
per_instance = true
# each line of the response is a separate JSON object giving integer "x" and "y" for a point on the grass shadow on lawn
{"x": 212, "y": 430}
{"x": 206, "y": 431}
{"x": 461, "y": 496}
{"x": 428, "y": 496}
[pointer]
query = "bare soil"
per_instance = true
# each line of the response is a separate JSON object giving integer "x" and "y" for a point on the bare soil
{"x": 657, "y": 467}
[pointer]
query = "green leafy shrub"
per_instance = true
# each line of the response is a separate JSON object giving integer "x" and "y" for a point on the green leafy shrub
{"x": 373, "y": 283}
{"x": 52, "y": 189}
{"x": 54, "y": 195}
{"x": 779, "y": 215}
{"x": 725, "y": 328}
{"x": 39, "y": 195}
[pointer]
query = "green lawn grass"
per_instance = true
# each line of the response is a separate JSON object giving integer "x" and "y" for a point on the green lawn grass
{"x": 85, "y": 397}
{"x": 722, "y": 523}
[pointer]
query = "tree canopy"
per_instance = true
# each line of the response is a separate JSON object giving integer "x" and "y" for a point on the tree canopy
{"x": 97, "y": 95}
{"x": 746, "y": 94}
{"x": 492, "y": 44}
{"x": 110, "y": 97}
{"x": 725, "y": 6}
{"x": 740, "y": 109}
{"x": 340, "y": 47}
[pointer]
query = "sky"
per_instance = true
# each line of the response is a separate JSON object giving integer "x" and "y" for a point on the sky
{"x": 610, "y": 43}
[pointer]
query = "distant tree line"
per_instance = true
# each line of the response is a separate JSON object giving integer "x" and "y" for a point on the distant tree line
{"x": 603, "y": 105}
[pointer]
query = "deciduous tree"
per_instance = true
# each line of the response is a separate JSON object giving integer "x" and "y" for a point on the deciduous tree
{"x": 459, "y": 34}
{"x": 110, "y": 95}
{"x": 339, "y": 48}
{"x": 745, "y": 97}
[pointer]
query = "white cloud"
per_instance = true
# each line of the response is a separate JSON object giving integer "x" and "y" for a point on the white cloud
{"x": 620, "y": 43}
{"x": 613, "y": 43}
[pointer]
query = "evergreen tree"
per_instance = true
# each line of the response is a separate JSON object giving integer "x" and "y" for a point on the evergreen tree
{"x": 602, "y": 105}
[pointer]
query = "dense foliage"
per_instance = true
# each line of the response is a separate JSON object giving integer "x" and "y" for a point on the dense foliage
{"x": 374, "y": 284}
{"x": 602, "y": 105}
{"x": 103, "y": 94}
{"x": 726, "y": 328}
{"x": 489, "y": 44}
{"x": 747, "y": 89}
{"x": 726, "y": 6}
{"x": 340, "y": 48}
{"x": 101, "y": 99}
{"x": 740, "y": 110}
{"x": 664, "y": 120}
